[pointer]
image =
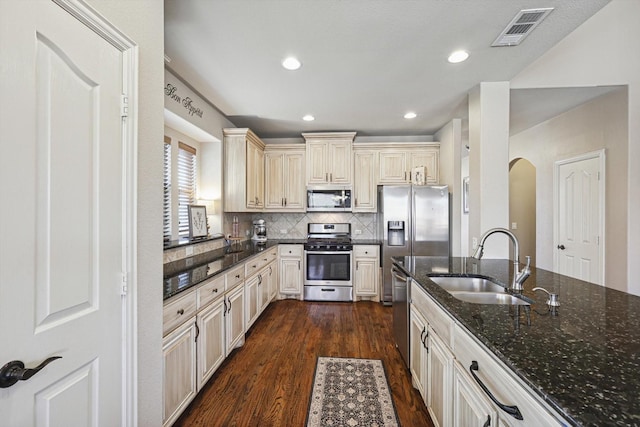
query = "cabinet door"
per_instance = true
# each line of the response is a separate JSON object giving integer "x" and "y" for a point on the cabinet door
{"x": 419, "y": 352}
{"x": 317, "y": 172}
{"x": 365, "y": 181}
{"x": 366, "y": 276}
{"x": 179, "y": 370}
{"x": 338, "y": 162}
{"x": 252, "y": 303}
{"x": 393, "y": 167}
{"x": 440, "y": 377}
{"x": 273, "y": 282}
{"x": 274, "y": 176}
{"x": 265, "y": 286}
{"x": 211, "y": 348}
{"x": 295, "y": 194}
{"x": 234, "y": 319}
{"x": 291, "y": 275}
{"x": 429, "y": 158}
{"x": 470, "y": 407}
{"x": 255, "y": 176}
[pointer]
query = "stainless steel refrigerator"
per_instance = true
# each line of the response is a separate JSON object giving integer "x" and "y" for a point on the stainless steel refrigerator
{"x": 412, "y": 221}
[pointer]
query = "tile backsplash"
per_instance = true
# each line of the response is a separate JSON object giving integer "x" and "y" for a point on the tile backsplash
{"x": 294, "y": 225}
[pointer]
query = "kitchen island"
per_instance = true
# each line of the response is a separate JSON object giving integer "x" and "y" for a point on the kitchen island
{"x": 583, "y": 360}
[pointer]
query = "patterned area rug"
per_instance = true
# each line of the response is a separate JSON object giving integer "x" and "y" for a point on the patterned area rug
{"x": 350, "y": 393}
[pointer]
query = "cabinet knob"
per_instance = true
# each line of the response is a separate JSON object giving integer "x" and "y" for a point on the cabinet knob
{"x": 215, "y": 290}
{"x": 181, "y": 311}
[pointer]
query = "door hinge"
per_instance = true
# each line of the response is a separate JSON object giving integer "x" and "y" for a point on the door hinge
{"x": 124, "y": 288}
{"x": 124, "y": 105}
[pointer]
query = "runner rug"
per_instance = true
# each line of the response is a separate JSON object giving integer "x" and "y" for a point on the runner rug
{"x": 350, "y": 393}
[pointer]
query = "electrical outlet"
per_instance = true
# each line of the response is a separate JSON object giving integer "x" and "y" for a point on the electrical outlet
{"x": 246, "y": 233}
{"x": 283, "y": 231}
{"x": 358, "y": 231}
{"x": 189, "y": 250}
{"x": 514, "y": 225}
{"x": 474, "y": 243}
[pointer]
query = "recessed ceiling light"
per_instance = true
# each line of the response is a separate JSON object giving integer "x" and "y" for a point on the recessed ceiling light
{"x": 291, "y": 63}
{"x": 410, "y": 115}
{"x": 308, "y": 118}
{"x": 458, "y": 56}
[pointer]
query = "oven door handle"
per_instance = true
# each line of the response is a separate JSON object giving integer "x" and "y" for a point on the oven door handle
{"x": 328, "y": 252}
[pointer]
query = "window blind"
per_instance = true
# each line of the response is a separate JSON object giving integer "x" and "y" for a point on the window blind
{"x": 186, "y": 185}
{"x": 166, "y": 207}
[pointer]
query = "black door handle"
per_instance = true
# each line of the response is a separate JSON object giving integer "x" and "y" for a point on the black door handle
{"x": 511, "y": 410}
{"x": 561, "y": 247}
{"x": 15, "y": 371}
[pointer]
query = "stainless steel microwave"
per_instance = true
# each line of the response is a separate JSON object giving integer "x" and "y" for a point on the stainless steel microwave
{"x": 328, "y": 199}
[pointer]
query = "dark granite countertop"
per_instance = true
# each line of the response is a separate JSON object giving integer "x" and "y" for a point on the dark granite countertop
{"x": 584, "y": 361}
{"x": 185, "y": 273}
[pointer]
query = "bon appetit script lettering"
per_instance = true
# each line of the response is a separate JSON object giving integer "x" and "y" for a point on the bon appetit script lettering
{"x": 172, "y": 92}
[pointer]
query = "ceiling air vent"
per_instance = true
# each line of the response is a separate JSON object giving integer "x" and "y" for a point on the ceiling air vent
{"x": 521, "y": 26}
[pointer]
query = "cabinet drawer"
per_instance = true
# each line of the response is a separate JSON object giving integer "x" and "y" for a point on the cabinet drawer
{"x": 365, "y": 251}
{"x": 210, "y": 291}
{"x": 258, "y": 262}
{"x": 234, "y": 277}
{"x": 290, "y": 250}
{"x": 501, "y": 383}
{"x": 439, "y": 321}
{"x": 175, "y": 312}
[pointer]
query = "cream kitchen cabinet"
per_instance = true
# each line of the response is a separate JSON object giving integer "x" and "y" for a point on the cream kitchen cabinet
{"x": 435, "y": 339}
{"x": 290, "y": 270}
{"x": 285, "y": 189}
{"x": 329, "y": 157}
{"x": 179, "y": 370}
{"x": 243, "y": 171}
{"x": 465, "y": 384}
{"x": 396, "y": 165}
{"x": 419, "y": 352}
{"x": 470, "y": 408}
{"x": 366, "y": 260}
{"x": 211, "y": 339}
{"x": 365, "y": 180}
{"x": 257, "y": 295}
{"x": 234, "y": 319}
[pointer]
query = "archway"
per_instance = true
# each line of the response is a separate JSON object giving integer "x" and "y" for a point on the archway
{"x": 522, "y": 206}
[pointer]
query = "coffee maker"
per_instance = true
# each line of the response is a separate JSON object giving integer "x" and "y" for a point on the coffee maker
{"x": 259, "y": 231}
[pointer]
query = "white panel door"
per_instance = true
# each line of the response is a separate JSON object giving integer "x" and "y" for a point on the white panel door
{"x": 62, "y": 251}
{"x": 578, "y": 219}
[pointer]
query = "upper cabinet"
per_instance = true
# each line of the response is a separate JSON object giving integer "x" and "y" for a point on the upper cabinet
{"x": 243, "y": 171}
{"x": 284, "y": 167}
{"x": 329, "y": 157}
{"x": 397, "y": 164}
{"x": 365, "y": 180}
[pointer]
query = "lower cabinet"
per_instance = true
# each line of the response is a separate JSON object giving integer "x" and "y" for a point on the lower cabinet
{"x": 211, "y": 340}
{"x": 419, "y": 352}
{"x": 463, "y": 383}
{"x": 366, "y": 260}
{"x": 179, "y": 370}
{"x": 290, "y": 270}
{"x": 234, "y": 319}
{"x": 470, "y": 408}
{"x": 439, "y": 379}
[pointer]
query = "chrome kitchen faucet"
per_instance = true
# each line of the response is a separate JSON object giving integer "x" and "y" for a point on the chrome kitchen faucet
{"x": 518, "y": 276}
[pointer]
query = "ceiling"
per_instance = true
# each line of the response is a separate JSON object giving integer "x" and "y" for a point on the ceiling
{"x": 365, "y": 63}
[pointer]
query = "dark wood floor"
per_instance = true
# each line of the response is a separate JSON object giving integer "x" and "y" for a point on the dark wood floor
{"x": 268, "y": 381}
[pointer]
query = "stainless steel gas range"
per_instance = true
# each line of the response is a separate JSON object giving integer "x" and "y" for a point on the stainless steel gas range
{"x": 328, "y": 260}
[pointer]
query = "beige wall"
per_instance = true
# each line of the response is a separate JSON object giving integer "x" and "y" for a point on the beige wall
{"x": 601, "y": 123}
{"x": 603, "y": 51}
{"x": 143, "y": 21}
{"x": 522, "y": 206}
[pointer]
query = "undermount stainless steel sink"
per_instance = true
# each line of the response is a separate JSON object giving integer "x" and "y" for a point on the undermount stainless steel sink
{"x": 489, "y": 298}
{"x": 467, "y": 284}
{"x": 477, "y": 290}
